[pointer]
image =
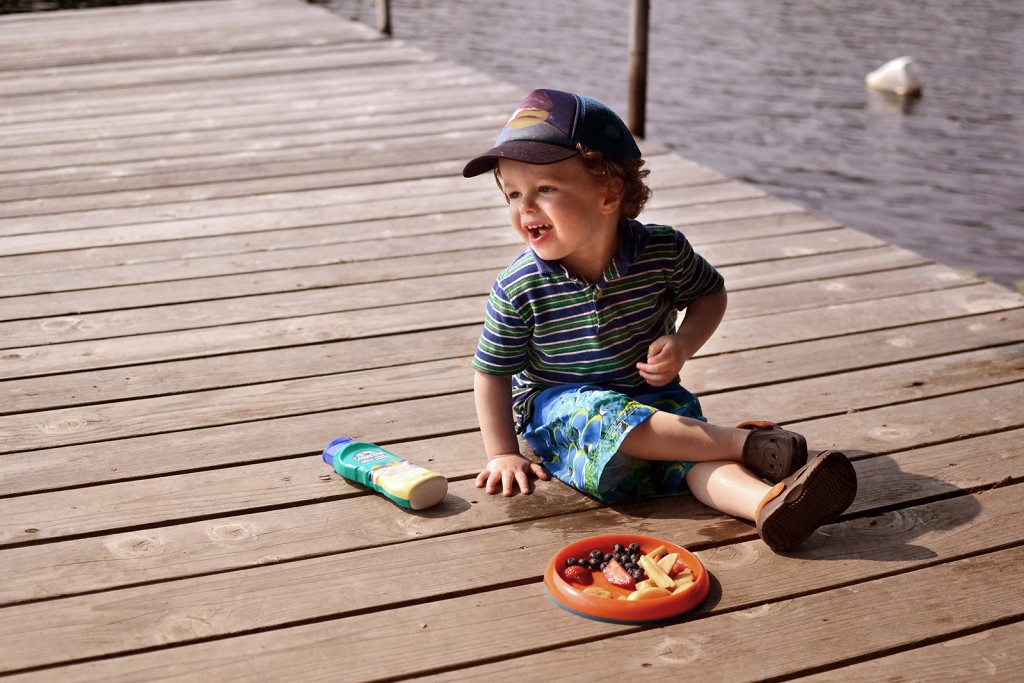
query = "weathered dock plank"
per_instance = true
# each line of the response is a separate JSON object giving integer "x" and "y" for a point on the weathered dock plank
{"x": 232, "y": 230}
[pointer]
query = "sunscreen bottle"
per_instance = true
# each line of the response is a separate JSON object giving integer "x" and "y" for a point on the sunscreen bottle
{"x": 406, "y": 484}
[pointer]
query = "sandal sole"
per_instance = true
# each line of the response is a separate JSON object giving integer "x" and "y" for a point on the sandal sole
{"x": 828, "y": 489}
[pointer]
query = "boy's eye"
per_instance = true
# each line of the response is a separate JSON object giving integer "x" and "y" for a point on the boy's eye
{"x": 545, "y": 188}
{"x": 512, "y": 195}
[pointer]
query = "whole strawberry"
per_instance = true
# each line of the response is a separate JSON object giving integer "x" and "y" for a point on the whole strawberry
{"x": 578, "y": 574}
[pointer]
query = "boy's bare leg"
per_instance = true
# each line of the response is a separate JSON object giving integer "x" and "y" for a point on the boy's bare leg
{"x": 665, "y": 436}
{"x": 727, "y": 487}
{"x": 717, "y": 479}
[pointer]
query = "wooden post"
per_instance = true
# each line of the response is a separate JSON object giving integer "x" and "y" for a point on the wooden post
{"x": 638, "y": 67}
{"x": 384, "y": 16}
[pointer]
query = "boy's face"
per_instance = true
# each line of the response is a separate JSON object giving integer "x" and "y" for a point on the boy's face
{"x": 563, "y": 212}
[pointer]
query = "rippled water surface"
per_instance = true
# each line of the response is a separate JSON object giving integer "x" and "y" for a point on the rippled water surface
{"x": 773, "y": 93}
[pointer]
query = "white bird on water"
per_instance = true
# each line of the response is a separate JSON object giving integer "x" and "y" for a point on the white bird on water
{"x": 900, "y": 76}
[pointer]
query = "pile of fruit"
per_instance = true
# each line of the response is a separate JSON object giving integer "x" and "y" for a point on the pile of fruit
{"x": 655, "y": 574}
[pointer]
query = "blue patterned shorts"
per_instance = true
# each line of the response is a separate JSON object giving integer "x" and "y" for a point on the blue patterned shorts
{"x": 577, "y": 430}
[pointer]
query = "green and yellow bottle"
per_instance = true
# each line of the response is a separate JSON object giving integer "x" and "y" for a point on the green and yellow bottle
{"x": 408, "y": 485}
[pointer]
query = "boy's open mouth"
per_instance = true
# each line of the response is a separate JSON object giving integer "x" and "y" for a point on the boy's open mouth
{"x": 537, "y": 230}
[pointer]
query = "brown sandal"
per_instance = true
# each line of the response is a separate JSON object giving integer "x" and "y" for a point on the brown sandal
{"x": 771, "y": 452}
{"x": 815, "y": 495}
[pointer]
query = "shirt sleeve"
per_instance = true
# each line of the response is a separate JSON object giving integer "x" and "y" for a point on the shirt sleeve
{"x": 502, "y": 349}
{"x": 693, "y": 276}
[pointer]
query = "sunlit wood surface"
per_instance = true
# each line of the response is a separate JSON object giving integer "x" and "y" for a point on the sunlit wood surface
{"x": 232, "y": 230}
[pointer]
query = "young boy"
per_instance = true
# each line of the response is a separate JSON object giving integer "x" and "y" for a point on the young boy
{"x": 580, "y": 353}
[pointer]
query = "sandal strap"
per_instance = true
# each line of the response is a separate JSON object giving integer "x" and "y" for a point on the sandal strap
{"x": 756, "y": 424}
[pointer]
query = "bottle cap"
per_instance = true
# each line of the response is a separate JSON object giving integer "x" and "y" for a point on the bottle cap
{"x": 333, "y": 447}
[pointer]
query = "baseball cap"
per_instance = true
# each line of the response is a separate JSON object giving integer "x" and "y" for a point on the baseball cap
{"x": 547, "y": 127}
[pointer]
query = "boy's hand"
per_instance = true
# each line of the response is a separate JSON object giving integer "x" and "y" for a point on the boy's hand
{"x": 508, "y": 471}
{"x": 665, "y": 358}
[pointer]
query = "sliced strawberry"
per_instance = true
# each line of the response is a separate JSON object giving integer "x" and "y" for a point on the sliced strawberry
{"x": 578, "y": 574}
{"x": 616, "y": 575}
{"x": 679, "y": 567}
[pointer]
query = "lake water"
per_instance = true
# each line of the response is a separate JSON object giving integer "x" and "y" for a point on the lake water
{"x": 773, "y": 93}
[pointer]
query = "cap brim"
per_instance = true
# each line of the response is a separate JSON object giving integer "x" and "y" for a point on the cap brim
{"x": 528, "y": 151}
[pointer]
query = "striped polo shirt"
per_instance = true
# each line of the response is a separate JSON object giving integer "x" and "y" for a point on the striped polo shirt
{"x": 545, "y": 326}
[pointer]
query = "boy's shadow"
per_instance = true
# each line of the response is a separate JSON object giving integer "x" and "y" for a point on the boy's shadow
{"x": 892, "y": 510}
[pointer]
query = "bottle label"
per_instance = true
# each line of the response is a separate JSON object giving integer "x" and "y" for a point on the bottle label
{"x": 374, "y": 458}
{"x": 398, "y": 476}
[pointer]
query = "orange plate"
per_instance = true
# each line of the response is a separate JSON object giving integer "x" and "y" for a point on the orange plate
{"x": 617, "y": 609}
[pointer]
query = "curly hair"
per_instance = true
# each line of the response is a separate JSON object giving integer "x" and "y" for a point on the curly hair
{"x": 631, "y": 172}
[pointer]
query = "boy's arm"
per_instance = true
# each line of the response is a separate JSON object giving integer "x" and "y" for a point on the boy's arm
{"x": 506, "y": 467}
{"x": 666, "y": 355}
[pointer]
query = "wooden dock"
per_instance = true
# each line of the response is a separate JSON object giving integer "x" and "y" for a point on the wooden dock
{"x": 232, "y": 230}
